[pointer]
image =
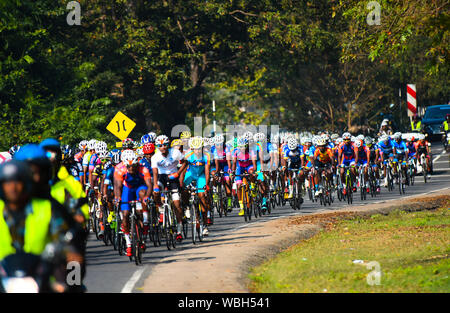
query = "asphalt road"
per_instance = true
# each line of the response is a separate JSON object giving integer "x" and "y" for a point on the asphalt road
{"x": 108, "y": 272}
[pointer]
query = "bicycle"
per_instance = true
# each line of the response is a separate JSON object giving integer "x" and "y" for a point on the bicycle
{"x": 169, "y": 224}
{"x": 244, "y": 190}
{"x": 348, "y": 185}
{"x": 400, "y": 177}
{"x": 197, "y": 224}
{"x": 136, "y": 233}
{"x": 362, "y": 183}
{"x": 155, "y": 229}
{"x": 411, "y": 171}
{"x": 424, "y": 165}
{"x": 220, "y": 201}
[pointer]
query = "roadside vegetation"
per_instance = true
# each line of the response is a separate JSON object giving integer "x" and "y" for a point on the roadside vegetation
{"x": 411, "y": 248}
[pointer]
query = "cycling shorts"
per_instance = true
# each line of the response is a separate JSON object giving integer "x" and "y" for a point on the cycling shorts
{"x": 240, "y": 170}
{"x": 348, "y": 162}
{"x": 130, "y": 194}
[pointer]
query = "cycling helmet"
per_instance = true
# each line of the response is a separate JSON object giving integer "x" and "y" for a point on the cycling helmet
{"x": 91, "y": 144}
{"x": 115, "y": 156}
{"x": 421, "y": 137}
{"x": 321, "y": 142}
{"x": 339, "y": 141}
{"x": 242, "y": 142}
{"x": 292, "y": 144}
{"x": 129, "y": 157}
{"x": 259, "y": 137}
{"x": 176, "y": 142}
{"x": 67, "y": 153}
{"x": 145, "y": 139}
{"x": 14, "y": 149}
{"x": 185, "y": 135}
{"x": 148, "y": 148}
{"x": 127, "y": 143}
{"x": 82, "y": 145}
{"x": 152, "y": 136}
{"x": 162, "y": 140}
{"x": 358, "y": 143}
{"x": 346, "y": 136}
{"x": 195, "y": 142}
{"x": 326, "y": 137}
{"x": 334, "y": 137}
{"x": 368, "y": 141}
{"x": 207, "y": 142}
{"x": 397, "y": 136}
{"x": 139, "y": 151}
{"x": 248, "y": 135}
{"x": 100, "y": 146}
{"x": 307, "y": 140}
{"x": 104, "y": 155}
{"x": 219, "y": 139}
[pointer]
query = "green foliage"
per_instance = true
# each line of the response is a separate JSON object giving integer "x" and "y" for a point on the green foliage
{"x": 299, "y": 64}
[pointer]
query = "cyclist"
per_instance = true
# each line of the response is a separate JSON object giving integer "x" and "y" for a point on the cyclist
{"x": 78, "y": 158}
{"x": 132, "y": 182}
{"x": 386, "y": 153}
{"x": 244, "y": 161}
{"x": 363, "y": 161}
{"x": 323, "y": 160}
{"x": 374, "y": 159}
{"x": 74, "y": 168}
{"x": 411, "y": 145}
{"x": 198, "y": 169}
{"x": 86, "y": 159}
{"x": 292, "y": 160}
{"x": 221, "y": 153}
{"x": 308, "y": 150}
{"x": 348, "y": 156}
{"x": 165, "y": 172}
{"x": 423, "y": 147}
{"x": 262, "y": 155}
{"x": 400, "y": 154}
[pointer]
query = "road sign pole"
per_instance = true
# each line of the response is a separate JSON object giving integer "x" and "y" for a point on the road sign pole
{"x": 214, "y": 115}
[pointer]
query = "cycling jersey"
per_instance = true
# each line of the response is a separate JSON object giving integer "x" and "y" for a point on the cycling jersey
{"x": 400, "y": 147}
{"x": 132, "y": 184}
{"x": 166, "y": 164}
{"x": 86, "y": 159}
{"x": 293, "y": 157}
{"x": 323, "y": 157}
{"x": 386, "y": 148}
{"x": 146, "y": 163}
{"x": 411, "y": 149}
{"x": 196, "y": 169}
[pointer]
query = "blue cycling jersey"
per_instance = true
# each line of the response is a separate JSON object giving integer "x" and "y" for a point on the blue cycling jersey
{"x": 386, "y": 148}
{"x": 400, "y": 147}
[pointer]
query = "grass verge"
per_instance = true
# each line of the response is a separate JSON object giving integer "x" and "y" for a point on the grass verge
{"x": 411, "y": 248}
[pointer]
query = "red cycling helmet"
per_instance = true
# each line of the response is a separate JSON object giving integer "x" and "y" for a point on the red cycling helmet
{"x": 148, "y": 148}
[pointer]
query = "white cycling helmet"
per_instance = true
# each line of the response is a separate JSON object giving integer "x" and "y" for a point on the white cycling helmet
{"x": 421, "y": 136}
{"x": 292, "y": 143}
{"x": 358, "y": 143}
{"x": 129, "y": 157}
{"x": 397, "y": 135}
{"x": 100, "y": 146}
{"x": 321, "y": 142}
{"x": 91, "y": 144}
{"x": 162, "y": 140}
{"x": 360, "y": 137}
{"x": 248, "y": 135}
{"x": 259, "y": 137}
{"x": 219, "y": 139}
{"x": 82, "y": 145}
{"x": 346, "y": 136}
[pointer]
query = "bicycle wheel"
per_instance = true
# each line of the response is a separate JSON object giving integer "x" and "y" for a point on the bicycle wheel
{"x": 168, "y": 228}
{"x": 193, "y": 224}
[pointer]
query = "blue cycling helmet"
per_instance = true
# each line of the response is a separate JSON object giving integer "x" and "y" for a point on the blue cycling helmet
{"x": 115, "y": 156}
{"x": 145, "y": 139}
{"x": 50, "y": 143}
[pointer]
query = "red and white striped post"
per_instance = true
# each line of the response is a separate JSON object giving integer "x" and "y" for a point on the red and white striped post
{"x": 411, "y": 99}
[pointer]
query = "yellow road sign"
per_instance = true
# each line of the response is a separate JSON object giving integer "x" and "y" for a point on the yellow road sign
{"x": 121, "y": 126}
{"x": 119, "y": 144}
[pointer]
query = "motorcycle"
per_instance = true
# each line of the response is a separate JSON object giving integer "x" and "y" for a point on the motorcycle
{"x": 24, "y": 273}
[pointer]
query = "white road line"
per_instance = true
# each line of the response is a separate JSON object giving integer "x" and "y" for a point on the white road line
{"x": 128, "y": 288}
{"x": 437, "y": 158}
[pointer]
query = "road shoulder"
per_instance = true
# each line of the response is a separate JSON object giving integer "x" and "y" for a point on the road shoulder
{"x": 221, "y": 264}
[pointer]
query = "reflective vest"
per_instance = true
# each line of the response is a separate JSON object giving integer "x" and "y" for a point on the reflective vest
{"x": 418, "y": 125}
{"x": 446, "y": 126}
{"x": 36, "y": 229}
{"x": 68, "y": 183}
